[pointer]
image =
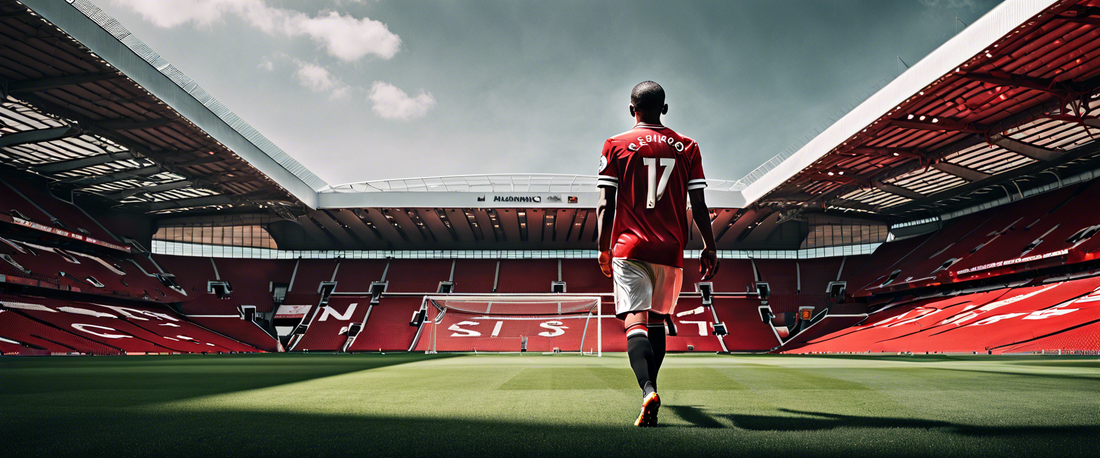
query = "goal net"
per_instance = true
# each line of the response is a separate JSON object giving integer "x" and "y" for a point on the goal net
{"x": 512, "y": 324}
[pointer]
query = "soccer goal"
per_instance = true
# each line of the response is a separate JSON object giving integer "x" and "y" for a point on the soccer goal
{"x": 512, "y": 324}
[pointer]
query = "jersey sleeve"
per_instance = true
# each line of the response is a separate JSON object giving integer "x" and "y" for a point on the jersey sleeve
{"x": 696, "y": 180}
{"x": 609, "y": 167}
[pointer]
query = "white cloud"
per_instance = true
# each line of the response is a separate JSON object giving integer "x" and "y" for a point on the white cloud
{"x": 347, "y": 38}
{"x": 267, "y": 65}
{"x": 390, "y": 102}
{"x": 318, "y": 79}
{"x": 171, "y": 13}
{"x": 342, "y": 36}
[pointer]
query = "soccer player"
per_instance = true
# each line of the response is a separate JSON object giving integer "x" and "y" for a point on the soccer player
{"x": 646, "y": 176}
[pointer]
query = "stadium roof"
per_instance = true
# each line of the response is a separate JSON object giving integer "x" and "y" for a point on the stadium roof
{"x": 89, "y": 106}
{"x": 1007, "y": 104}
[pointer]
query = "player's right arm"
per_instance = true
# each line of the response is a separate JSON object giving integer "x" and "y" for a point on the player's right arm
{"x": 605, "y": 217}
{"x": 608, "y": 182}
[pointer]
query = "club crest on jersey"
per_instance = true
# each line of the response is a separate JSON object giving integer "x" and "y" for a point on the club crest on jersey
{"x": 603, "y": 162}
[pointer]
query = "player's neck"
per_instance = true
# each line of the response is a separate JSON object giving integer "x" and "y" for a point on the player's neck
{"x": 642, "y": 118}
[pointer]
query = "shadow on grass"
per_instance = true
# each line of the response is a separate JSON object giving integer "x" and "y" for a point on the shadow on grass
{"x": 821, "y": 421}
{"x": 275, "y": 434}
{"x": 697, "y": 416}
{"x": 1094, "y": 386}
{"x": 96, "y": 381}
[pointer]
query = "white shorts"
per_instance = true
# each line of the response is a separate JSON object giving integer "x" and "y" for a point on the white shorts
{"x": 642, "y": 286}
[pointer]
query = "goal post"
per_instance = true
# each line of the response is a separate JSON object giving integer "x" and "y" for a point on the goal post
{"x": 512, "y": 324}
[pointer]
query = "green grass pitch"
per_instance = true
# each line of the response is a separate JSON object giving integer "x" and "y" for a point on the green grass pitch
{"x": 539, "y": 405}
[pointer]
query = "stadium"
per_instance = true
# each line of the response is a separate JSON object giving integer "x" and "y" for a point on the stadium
{"x": 921, "y": 278}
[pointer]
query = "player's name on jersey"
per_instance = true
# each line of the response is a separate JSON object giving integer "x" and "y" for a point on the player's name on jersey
{"x": 646, "y": 140}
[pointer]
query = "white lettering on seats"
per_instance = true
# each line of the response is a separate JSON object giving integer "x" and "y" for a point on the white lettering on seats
{"x": 83, "y": 328}
{"x": 138, "y": 314}
{"x": 325, "y": 312}
{"x": 994, "y": 319}
{"x": 556, "y": 328}
{"x": 1044, "y": 314}
{"x": 459, "y": 332}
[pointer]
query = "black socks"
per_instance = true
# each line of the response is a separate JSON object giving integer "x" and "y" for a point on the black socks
{"x": 642, "y": 359}
{"x": 657, "y": 342}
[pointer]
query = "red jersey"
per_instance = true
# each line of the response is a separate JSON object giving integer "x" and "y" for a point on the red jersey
{"x": 653, "y": 168}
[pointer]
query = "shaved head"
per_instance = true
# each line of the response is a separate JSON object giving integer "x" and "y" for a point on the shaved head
{"x": 647, "y": 96}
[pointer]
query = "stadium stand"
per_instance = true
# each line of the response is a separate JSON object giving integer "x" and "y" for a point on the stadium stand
{"x": 475, "y": 275}
{"x": 309, "y": 273}
{"x": 356, "y": 275}
{"x": 734, "y": 275}
{"x": 29, "y": 198}
{"x": 328, "y": 330}
{"x": 992, "y": 321}
{"x": 387, "y": 325}
{"x": 36, "y": 337}
{"x": 129, "y": 328}
{"x": 238, "y": 328}
{"x": 694, "y": 327}
{"x": 191, "y": 273}
{"x": 413, "y": 275}
{"x": 747, "y": 331}
{"x": 584, "y": 276}
{"x": 251, "y": 279}
{"x": 526, "y": 276}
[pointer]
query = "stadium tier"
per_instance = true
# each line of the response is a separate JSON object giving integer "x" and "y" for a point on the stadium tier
{"x": 1003, "y": 320}
{"x": 70, "y": 326}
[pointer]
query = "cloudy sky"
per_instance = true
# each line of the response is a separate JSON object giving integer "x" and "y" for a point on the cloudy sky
{"x": 373, "y": 89}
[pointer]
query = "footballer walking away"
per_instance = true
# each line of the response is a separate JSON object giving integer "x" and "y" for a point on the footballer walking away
{"x": 646, "y": 176}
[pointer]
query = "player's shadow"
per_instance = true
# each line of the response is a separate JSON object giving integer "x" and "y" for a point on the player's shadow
{"x": 695, "y": 415}
{"x": 821, "y": 421}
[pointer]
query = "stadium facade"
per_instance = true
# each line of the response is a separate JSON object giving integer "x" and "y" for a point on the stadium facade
{"x": 140, "y": 215}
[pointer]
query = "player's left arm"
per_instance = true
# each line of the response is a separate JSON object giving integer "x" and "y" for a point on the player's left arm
{"x": 708, "y": 258}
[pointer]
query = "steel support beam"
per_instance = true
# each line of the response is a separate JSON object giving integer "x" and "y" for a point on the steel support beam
{"x": 182, "y": 203}
{"x": 65, "y": 166}
{"x": 940, "y": 124}
{"x": 965, "y": 173}
{"x": 120, "y": 175}
{"x": 43, "y": 84}
{"x": 1025, "y": 149}
{"x": 899, "y": 191}
{"x": 129, "y": 124}
{"x": 39, "y": 135}
{"x": 149, "y": 189}
{"x": 207, "y": 159}
{"x": 854, "y": 204}
{"x": 1006, "y": 79}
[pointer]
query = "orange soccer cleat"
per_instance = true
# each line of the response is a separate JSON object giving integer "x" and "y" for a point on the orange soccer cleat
{"x": 650, "y": 404}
